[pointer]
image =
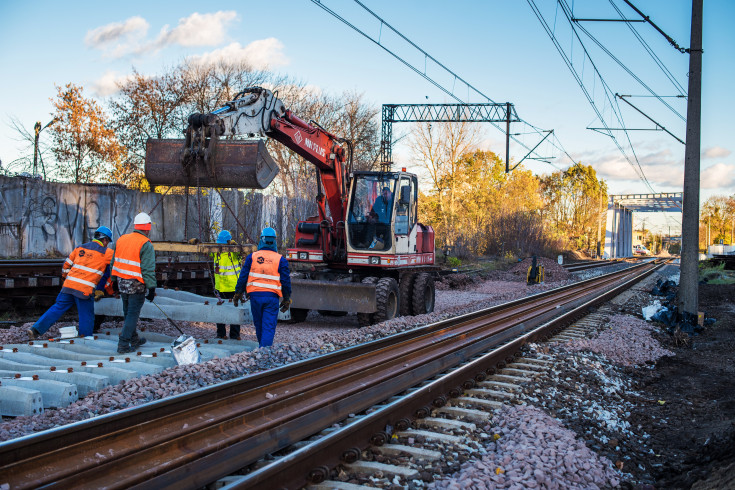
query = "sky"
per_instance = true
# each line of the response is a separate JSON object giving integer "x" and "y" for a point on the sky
{"x": 500, "y": 48}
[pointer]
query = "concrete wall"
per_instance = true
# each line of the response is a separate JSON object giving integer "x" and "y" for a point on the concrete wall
{"x": 46, "y": 219}
{"x": 619, "y": 232}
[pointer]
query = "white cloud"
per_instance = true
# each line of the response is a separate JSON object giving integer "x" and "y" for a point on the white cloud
{"x": 716, "y": 152}
{"x": 102, "y": 36}
{"x": 261, "y": 54}
{"x": 718, "y": 176}
{"x": 119, "y": 39}
{"x": 197, "y": 30}
{"x": 107, "y": 84}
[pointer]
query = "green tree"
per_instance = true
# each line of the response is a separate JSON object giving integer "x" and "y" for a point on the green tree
{"x": 82, "y": 141}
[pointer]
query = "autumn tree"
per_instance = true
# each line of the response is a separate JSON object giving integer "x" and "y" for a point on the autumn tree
{"x": 574, "y": 203}
{"x": 437, "y": 148}
{"x": 717, "y": 217}
{"x": 83, "y": 143}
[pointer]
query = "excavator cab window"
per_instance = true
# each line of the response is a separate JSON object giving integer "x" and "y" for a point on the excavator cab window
{"x": 406, "y": 208}
{"x": 371, "y": 211}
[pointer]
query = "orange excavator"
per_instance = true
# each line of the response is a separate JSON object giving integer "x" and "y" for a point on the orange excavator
{"x": 366, "y": 250}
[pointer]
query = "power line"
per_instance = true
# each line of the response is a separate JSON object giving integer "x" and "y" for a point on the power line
{"x": 608, "y": 99}
{"x": 456, "y": 78}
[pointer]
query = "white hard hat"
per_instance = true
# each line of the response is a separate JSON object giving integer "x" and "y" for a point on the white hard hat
{"x": 142, "y": 222}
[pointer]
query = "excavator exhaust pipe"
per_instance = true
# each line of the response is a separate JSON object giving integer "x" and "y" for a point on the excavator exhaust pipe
{"x": 233, "y": 163}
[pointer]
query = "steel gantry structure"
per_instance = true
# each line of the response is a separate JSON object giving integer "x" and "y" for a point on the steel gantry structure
{"x": 488, "y": 112}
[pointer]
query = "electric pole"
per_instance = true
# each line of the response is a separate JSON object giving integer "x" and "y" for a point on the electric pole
{"x": 689, "y": 281}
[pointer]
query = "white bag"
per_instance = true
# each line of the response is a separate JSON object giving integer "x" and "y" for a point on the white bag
{"x": 185, "y": 350}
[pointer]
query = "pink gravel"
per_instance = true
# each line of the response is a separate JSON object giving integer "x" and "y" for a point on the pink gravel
{"x": 533, "y": 450}
{"x": 627, "y": 341}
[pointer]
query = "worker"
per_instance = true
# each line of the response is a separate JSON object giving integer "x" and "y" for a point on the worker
{"x": 86, "y": 274}
{"x": 264, "y": 279}
{"x": 226, "y": 274}
{"x": 134, "y": 269}
{"x": 379, "y": 218}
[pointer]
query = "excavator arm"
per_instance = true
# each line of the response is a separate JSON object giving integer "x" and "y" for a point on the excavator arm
{"x": 209, "y": 156}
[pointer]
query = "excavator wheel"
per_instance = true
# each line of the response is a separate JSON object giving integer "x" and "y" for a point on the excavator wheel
{"x": 423, "y": 294}
{"x": 365, "y": 319}
{"x": 387, "y": 298}
{"x": 406, "y": 290}
{"x": 298, "y": 315}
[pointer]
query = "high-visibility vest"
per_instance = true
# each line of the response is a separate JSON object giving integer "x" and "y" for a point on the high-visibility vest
{"x": 227, "y": 271}
{"x": 84, "y": 267}
{"x": 264, "y": 274}
{"x": 127, "y": 256}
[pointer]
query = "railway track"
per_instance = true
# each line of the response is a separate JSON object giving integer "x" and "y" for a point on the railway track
{"x": 194, "y": 439}
{"x": 593, "y": 264}
{"x": 25, "y": 278}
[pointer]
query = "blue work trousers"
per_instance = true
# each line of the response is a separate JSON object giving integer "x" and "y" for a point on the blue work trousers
{"x": 64, "y": 301}
{"x": 132, "y": 304}
{"x": 264, "y": 307}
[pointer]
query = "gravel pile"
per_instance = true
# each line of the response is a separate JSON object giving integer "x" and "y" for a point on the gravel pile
{"x": 552, "y": 270}
{"x": 628, "y": 341}
{"x": 532, "y": 450}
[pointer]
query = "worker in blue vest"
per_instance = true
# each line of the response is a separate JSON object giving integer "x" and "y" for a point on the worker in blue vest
{"x": 226, "y": 274}
{"x": 265, "y": 279}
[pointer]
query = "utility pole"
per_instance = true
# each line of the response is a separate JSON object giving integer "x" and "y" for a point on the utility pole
{"x": 599, "y": 224}
{"x": 689, "y": 282}
{"x": 37, "y": 130}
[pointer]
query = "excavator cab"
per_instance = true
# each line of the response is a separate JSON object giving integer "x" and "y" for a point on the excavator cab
{"x": 371, "y": 212}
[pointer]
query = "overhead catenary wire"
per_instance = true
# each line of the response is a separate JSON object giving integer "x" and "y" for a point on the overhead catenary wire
{"x": 426, "y": 56}
{"x": 609, "y": 99}
{"x": 653, "y": 55}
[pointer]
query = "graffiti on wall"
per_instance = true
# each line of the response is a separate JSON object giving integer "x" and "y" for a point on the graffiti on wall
{"x": 48, "y": 219}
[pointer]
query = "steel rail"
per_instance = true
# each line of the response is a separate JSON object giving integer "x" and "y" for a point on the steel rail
{"x": 311, "y": 463}
{"x": 183, "y": 436}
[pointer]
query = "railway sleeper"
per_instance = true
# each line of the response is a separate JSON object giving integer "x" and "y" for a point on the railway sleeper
{"x": 417, "y": 453}
{"x": 385, "y": 469}
{"x": 470, "y": 414}
{"x": 442, "y": 423}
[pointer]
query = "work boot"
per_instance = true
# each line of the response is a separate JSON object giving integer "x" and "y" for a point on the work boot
{"x": 124, "y": 348}
{"x": 235, "y": 337}
{"x": 33, "y": 333}
{"x": 135, "y": 343}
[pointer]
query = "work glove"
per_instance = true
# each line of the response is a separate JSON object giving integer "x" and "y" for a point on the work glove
{"x": 285, "y": 303}
{"x": 151, "y": 294}
{"x": 98, "y": 295}
{"x": 193, "y": 241}
{"x": 237, "y": 298}
{"x": 232, "y": 242}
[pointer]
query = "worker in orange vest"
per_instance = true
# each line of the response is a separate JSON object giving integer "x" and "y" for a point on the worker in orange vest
{"x": 134, "y": 269}
{"x": 265, "y": 278}
{"x": 86, "y": 274}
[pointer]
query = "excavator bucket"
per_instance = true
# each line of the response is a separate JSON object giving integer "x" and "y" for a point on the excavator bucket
{"x": 235, "y": 164}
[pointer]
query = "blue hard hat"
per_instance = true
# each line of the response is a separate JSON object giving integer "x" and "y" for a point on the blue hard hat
{"x": 224, "y": 236}
{"x": 268, "y": 233}
{"x": 103, "y": 230}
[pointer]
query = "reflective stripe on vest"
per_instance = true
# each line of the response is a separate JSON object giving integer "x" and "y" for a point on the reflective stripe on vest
{"x": 264, "y": 274}
{"x": 227, "y": 271}
{"x": 85, "y": 266}
{"x": 127, "y": 256}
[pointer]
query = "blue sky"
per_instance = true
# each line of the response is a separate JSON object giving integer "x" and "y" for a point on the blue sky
{"x": 497, "y": 46}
